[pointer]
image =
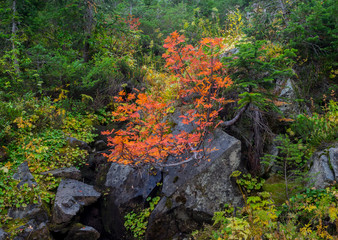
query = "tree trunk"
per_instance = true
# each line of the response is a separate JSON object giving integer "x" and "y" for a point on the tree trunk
{"x": 89, "y": 22}
{"x": 257, "y": 149}
{"x": 13, "y": 39}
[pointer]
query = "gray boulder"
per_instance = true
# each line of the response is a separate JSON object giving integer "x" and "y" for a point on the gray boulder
{"x": 33, "y": 231}
{"x": 128, "y": 183}
{"x": 41, "y": 232}
{"x": 287, "y": 89}
{"x": 84, "y": 232}
{"x": 73, "y": 142}
{"x": 288, "y": 94}
{"x": 71, "y": 173}
{"x": 333, "y": 157}
{"x": 324, "y": 169}
{"x": 70, "y": 197}
{"x": 32, "y": 211}
{"x": 179, "y": 125}
{"x": 194, "y": 192}
{"x": 24, "y": 175}
{"x": 3, "y": 234}
{"x": 229, "y": 53}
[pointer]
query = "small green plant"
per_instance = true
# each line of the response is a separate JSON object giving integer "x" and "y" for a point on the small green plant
{"x": 247, "y": 183}
{"x": 310, "y": 215}
{"x": 314, "y": 212}
{"x": 318, "y": 129}
{"x": 291, "y": 160}
{"x": 256, "y": 219}
{"x": 137, "y": 222}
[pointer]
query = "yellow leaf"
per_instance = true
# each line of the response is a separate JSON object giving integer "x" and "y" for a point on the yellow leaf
{"x": 333, "y": 213}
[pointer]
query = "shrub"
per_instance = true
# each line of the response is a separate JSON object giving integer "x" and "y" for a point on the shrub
{"x": 319, "y": 128}
{"x": 35, "y": 131}
{"x": 137, "y": 222}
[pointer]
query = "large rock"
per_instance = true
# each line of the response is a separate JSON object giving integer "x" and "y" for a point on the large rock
{"x": 73, "y": 142}
{"x": 35, "y": 214}
{"x": 83, "y": 233}
{"x": 194, "y": 192}
{"x": 24, "y": 176}
{"x": 229, "y": 53}
{"x": 33, "y": 231}
{"x": 70, "y": 197}
{"x": 112, "y": 219}
{"x": 128, "y": 183}
{"x": 324, "y": 169}
{"x": 333, "y": 156}
{"x": 71, "y": 173}
{"x": 288, "y": 96}
{"x": 129, "y": 189}
{"x": 3, "y": 234}
{"x": 32, "y": 211}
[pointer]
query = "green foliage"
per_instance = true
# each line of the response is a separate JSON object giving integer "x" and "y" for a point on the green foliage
{"x": 248, "y": 183}
{"x": 312, "y": 28}
{"x": 318, "y": 128}
{"x": 310, "y": 215}
{"x": 137, "y": 222}
{"x": 291, "y": 160}
{"x": 314, "y": 212}
{"x": 256, "y": 67}
{"x": 308, "y": 26}
{"x": 35, "y": 131}
{"x": 79, "y": 53}
{"x": 257, "y": 218}
{"x": 266, "y": 19}
{"x": 275, "y": 185}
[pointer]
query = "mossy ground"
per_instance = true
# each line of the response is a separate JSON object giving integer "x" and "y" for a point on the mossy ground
{"x": 276, "y": 186}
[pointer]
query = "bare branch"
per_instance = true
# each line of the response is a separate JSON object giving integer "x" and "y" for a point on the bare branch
{"x": 194, "y": 157}
{"x": 235, "y": 119}
{"x": 177, "y": 163}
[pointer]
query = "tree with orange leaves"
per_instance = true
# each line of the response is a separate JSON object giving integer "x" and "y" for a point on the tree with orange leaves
{"x": 147, "y": 137}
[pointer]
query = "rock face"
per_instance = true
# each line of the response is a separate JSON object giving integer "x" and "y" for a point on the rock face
{"x": 71, "y": 173}
{"x": 128, "y": 183}
{"x": 83, "y": 233}
{"x": 129, "y": 189}
{"x": 324, "y": 170}
{"x": 333, "y": 156}
{"x": 32, "y": 211}
{"x": 73, "y": 142}
{"x": 287, "y": 93}
{"x": 41, "y": 232}
{"x": 194, "y": 192}
{"x": 34, "y": 214}
{"x": 229, "y": 53}
{"x": 23, "y": 174}
{"x": 3, "y": 235}
{"x": 33, "y": 230}
{"x": 70, "y": 197}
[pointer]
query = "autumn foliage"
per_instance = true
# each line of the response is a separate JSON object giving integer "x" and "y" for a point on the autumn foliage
{"x": 133, "y": 22}
{"x": 147, "y": 137}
